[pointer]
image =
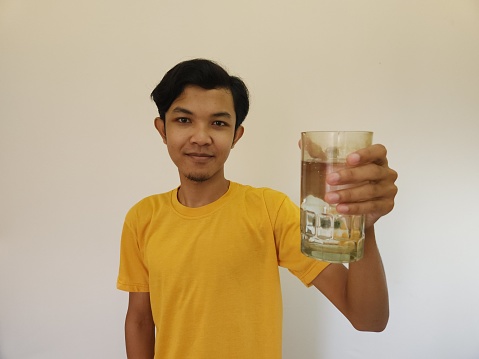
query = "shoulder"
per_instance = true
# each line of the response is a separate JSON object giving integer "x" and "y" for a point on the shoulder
{"x": 251, "y": 191}
{"x": 147, "y": 206}
{"x": 270, "y": 197}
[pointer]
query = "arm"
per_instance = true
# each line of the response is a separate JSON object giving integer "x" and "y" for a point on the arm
{"x": 139, "y": 327}
{"x": 360, "y": 292}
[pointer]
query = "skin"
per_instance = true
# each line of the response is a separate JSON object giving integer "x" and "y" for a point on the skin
{"x": 199, "y": 133}
{"x": 139, "y": 327}
{"x": 360, "y": 292}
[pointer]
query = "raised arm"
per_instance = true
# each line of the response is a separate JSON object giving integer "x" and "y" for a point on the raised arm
{"x": 360, "y": 292}
{"x": 139, "y": 327}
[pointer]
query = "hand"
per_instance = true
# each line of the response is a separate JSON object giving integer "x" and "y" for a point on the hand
{"x": 373, "y": 190}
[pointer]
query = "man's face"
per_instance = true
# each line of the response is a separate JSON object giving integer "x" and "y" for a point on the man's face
{"x": 199, "y": 131}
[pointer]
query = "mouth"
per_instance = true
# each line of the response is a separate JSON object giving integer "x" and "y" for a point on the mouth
{"x": 201, "y": 157}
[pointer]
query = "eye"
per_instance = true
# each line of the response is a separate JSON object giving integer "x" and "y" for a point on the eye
{"x": 219, "y": 123}
{"x": 183, "y": 120}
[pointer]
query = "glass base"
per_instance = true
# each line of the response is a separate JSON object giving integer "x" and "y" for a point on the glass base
{"x": 338, "y": 252}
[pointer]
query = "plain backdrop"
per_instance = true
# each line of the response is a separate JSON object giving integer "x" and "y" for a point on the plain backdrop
{"x": 78, "y": 149}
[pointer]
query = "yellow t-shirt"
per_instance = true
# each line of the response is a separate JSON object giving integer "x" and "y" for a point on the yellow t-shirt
{"x": 212, "y": 272}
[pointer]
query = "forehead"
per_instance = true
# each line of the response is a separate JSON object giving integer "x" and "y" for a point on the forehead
{"x": 218, "y": 98}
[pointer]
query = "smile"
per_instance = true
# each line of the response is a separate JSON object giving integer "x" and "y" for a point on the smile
{"x": 201, "y": 157}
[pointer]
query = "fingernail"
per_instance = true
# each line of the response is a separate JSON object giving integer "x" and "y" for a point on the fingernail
{"x": 342, "y": 208}
{"x": 332, "y": 197}
{"x": 333, "y": 178}
{"x": 353, "y": 158}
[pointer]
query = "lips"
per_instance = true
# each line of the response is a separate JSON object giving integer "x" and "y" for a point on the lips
{"x": 199, "y": 156}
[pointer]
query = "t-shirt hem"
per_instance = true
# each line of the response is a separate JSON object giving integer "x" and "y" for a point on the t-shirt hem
{"x": 132, "y": 287}
{"x": 313, "y": 272}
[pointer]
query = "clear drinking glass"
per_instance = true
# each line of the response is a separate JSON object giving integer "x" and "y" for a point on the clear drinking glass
{"x": 325, "y": 234}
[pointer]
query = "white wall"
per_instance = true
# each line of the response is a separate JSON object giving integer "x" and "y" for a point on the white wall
{"x": 78, "y": 148}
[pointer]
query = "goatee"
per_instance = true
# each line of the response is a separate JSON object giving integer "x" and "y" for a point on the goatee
{"x": 197, "y": 178}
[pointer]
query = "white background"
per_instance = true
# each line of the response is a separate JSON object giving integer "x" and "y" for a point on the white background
{"x": 78, "y": 148}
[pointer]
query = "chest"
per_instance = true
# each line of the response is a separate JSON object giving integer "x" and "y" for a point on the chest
{"x": 213, "y": 249}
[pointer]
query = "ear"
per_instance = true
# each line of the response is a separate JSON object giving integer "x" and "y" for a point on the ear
{"x": 160, "y": 126}
{"x": 238, "y": 134}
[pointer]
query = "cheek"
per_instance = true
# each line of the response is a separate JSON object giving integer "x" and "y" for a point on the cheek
{"x": 225, "y": 145}
{"x": 173, "y": 141}
{"x": 225, "y": 153}
{"x": 172, "y": 148}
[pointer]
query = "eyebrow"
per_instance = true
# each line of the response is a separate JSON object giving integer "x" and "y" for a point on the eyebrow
{"x": 188, "y": 112}
{"x": 182, "y": 110}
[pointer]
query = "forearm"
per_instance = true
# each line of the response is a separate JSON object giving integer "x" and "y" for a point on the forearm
{"x": 139, "y": 338}
{"x": 366, "y": 289}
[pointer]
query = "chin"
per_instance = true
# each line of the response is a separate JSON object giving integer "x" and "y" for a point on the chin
{"x": 197, "y": 177}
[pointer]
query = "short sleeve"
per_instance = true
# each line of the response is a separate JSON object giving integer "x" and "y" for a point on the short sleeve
{"x": 133, "y": 272}
{"x": 288, "y": 243}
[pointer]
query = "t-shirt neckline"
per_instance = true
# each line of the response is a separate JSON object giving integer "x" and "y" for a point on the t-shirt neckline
{"x": 203, "y": 210}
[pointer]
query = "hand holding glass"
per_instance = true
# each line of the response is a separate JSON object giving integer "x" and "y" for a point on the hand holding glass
{"x": 326, "y": 234}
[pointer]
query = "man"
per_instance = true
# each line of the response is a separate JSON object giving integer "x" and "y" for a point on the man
{"x": 200, "y": 262}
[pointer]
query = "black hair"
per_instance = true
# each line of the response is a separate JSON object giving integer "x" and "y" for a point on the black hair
{"x": 205, "y": 74}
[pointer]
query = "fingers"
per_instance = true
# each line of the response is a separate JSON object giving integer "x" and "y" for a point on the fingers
{"x": 367, "y": 184}
{"x": 372, "y": 154}
{"x": 372, "y": 209}
{"x": 368, "y": 164}
{"x": 365, "y": 198}
{"x": 313, "y": 149}
{"x": 355, "y": 175}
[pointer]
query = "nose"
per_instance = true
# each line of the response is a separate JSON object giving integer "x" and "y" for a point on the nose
{"x": 201, "y": 136}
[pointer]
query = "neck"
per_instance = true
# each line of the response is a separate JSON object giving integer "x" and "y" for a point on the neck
{"x": 197, "y": 194}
